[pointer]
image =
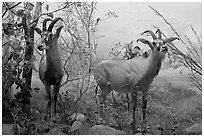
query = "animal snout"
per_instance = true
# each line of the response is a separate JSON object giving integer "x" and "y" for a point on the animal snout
{"x": 42, "y": 47}
{"x": 164, "y": 48}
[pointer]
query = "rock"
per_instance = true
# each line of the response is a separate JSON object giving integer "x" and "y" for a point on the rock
{"x": 10, "y": 129}
{"x": 76, "y": 126}
{"x": 195, "y": 129}
{"x": 104, "y": 130}
{"x": 77, "y": 117}
{"x": 43, "y": 127}
{"x": 55, "y": 131}
{"x": 80, "y": 128}
{"x": 84, "y": 129}
{"x": 7, "y": 117}
{"x": 138, "y": 134}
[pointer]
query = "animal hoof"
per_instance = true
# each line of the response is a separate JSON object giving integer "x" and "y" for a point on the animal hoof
{"x": 143, "y": 130}
{"x": 47, "y": 118}
{"x": 134, "y": 130}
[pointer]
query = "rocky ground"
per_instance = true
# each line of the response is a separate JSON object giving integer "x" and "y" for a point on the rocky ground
{"x": 174, "y": 107}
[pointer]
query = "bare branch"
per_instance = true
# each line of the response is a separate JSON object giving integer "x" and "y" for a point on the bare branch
{"x": 9, "y": 8}
{"x": 192, "y": 61}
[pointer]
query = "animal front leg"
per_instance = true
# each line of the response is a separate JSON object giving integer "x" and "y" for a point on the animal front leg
{"x": 48, "y": 97}
{"x": 114, "y": 100}
{"x": 102, "y": 98}
{"x": 128, "y": 102}
{"x": 56, "y": 91}
{"x": 104, "y": 93}
{"x": 134, "y": 101}
{"x": 144, "y": 106}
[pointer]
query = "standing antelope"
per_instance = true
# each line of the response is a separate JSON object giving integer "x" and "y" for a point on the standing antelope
{"x": 50, "y": 69}
{"x": 131, "y": 76}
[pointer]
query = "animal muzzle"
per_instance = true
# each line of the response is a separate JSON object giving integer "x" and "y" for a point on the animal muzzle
{"x": 42, "y": 47}
{"x": 164, "y": 49}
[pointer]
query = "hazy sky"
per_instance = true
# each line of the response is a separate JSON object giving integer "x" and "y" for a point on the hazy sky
{"x": 135, "y": 17}
{"x": 190, "y": 12}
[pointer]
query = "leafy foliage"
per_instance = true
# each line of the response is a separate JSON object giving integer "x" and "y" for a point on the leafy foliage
{"x": 16, "y": 39}
{"x": 80, "y": 44}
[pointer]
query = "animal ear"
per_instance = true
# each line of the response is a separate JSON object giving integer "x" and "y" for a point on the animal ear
{"x": 58, "y": 31}
{"x": 38, "y": 30}
{"x": 168, "y": 40}
{"x": 159, "y": 34}
{"x": 154, "y": 43}
{"x": 158, "y": 48}
{"x": 146, "y": 42}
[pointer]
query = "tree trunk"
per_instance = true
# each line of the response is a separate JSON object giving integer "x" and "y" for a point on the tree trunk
{"x": 29, "y": 52}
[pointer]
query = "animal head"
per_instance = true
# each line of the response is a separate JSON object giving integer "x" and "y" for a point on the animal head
{"x": 48, "y": 38}
{"x": 145, "y": 54}
{"x": 158, "y": 46}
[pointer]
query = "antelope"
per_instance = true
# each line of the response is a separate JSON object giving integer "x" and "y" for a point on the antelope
{"x": 50, "y": 69}
{"x": 145, "y": 54}
{"x": 132, "y": 52}
{"x": 134, "y": 75}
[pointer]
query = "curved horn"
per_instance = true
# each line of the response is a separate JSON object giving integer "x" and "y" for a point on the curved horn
{"x": 159, "y": 34}
{"x": 146, "y": 42}
{"x": 45, "y": 22}
{"x": 137, "y": 47}
{"x": 168, "y": 40}
{"x": 152, "y": 34}
{"x": 38, "y": 30}
{"x": 53, "y": 23}
{"x": 58, "y": 31}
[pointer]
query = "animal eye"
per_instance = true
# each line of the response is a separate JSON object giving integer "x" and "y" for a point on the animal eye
{"x": 154, "y": 43}
{"x": 158, "y": 48}
{"x": 51, "y": 36}
{"x": 46, "y": 39}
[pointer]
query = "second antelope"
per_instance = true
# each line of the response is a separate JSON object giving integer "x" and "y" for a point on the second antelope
{"x": 134, "y": 75}
{"x": 50, "y": 70}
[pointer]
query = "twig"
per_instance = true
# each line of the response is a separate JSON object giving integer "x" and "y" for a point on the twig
{"x": 167, "y": 23}
{"x": 66, "y": 6}
{"x": 9, "y": 8}
{"x": 199, "y": 41}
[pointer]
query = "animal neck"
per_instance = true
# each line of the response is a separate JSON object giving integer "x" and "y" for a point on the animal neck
{"x": 154, "y": 66}
{"x": 53, "y": 56}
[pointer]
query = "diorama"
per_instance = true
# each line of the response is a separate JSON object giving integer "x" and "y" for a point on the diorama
{"x": 101, "y": 68}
